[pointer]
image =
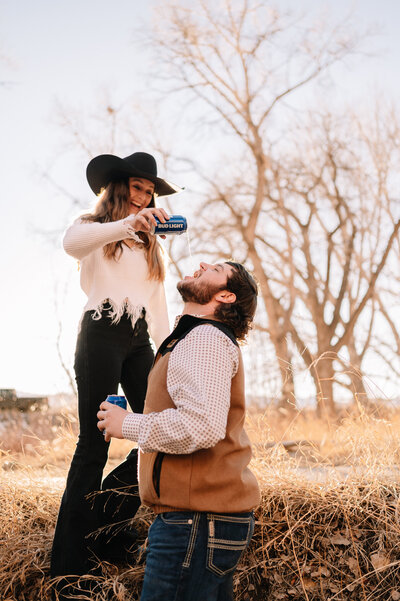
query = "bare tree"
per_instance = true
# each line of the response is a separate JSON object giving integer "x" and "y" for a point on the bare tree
{"x": 243, "y": 59}
{"x": 324, "y": 236}
{"x": 66, "y": 368}
{"x": 290, "y": 208}
{"x": 346, "y": 237}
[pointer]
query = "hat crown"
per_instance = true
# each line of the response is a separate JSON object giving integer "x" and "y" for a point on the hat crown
{"x": 107, "y": 168}
{"x": 142, "y": 161}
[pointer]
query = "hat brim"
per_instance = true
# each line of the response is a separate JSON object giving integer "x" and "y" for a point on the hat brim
{"x": 107, "y": 168}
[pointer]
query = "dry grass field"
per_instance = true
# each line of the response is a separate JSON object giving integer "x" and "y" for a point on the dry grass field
{"x": 327, "y": 527}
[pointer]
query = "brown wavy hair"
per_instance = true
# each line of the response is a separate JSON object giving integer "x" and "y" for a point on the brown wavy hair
{"x": 112, "y": 205}
{"x": 240, "y": 314}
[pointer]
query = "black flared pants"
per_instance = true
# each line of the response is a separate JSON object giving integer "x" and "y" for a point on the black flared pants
{"x": 106, "y": 355}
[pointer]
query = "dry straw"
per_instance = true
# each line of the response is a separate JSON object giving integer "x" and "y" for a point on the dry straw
{"x": 327, "y": 528}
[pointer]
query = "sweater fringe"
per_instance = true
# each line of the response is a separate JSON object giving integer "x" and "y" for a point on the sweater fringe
{"x": 116, "y": 311}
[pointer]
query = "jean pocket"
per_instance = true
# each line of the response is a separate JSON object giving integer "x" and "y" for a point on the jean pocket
{"x": 177, "y": 518}
{"x": 228, "y": 537}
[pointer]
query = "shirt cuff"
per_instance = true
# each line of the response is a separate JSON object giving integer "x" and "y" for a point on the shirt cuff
{"x": 131, "y": 426}
{"x": 131, "y": 233}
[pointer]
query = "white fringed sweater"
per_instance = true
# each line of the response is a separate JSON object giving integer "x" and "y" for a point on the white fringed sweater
{"x": 122, "y": 282}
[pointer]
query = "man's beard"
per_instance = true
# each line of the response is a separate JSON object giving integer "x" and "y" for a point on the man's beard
{"x": 192, "y": 291}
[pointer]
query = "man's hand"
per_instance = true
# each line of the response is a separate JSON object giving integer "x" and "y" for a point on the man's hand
{"x": 110, "y": 421}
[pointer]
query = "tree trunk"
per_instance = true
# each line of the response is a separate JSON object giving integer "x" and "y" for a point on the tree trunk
{"x": 277, "y": 332}
{"x": 323, "y": 373}
{"x": 354, "y": 371}
{"x": 288, "y": 399}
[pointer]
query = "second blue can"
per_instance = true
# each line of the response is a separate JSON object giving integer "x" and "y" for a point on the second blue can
{"x": 116, "y": 399}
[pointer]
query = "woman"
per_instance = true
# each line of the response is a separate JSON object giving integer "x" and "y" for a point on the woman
{"x": 122, "y": 274}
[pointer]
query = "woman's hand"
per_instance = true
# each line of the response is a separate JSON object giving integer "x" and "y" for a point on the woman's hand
{"x": 110, "y": 421}
{"x": 144, "y": 219}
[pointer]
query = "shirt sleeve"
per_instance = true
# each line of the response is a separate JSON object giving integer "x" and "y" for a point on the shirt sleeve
{"x": 82, "y": 238}
{"x": 200, "y": 372}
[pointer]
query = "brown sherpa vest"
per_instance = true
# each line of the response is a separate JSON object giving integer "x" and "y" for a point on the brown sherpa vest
{"x": 215, "y": 479}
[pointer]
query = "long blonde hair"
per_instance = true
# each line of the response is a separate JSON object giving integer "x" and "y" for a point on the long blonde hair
{"x": 112, "y": 205}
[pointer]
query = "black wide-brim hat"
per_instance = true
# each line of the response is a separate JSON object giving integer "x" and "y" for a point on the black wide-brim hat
{"x": 107, "y": 168}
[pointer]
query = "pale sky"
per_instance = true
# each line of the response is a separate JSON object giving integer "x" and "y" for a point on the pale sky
{"x": 70, "y": 50}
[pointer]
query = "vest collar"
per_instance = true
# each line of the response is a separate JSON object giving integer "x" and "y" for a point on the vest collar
{"x": 186, "y": 323}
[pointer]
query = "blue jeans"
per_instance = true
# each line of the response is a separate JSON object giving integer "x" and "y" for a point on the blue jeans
{"x": 192, "y": 556}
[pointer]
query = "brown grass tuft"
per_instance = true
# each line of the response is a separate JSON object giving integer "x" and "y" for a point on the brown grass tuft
{"x": 327, "y": 528}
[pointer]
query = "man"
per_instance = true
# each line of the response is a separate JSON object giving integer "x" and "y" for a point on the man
{"x": 194, "y": 451}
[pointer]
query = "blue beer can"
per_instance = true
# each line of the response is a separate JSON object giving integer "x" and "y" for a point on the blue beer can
{"x": 116, "y": 399}
{"x": 176, "y": 224}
